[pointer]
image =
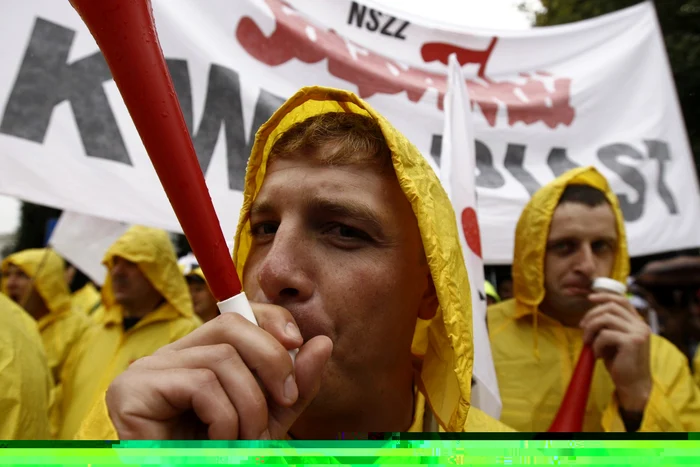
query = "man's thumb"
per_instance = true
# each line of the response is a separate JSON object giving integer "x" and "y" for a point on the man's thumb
{"x": 308, "y": 369}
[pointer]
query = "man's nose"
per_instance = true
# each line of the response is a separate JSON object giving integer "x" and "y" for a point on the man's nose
{"x": 283, "y": 273}
{"x": 117, "y": 268}
{"x": 586, "y": 263}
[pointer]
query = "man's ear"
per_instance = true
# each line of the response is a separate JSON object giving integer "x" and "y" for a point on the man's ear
{"x": 429, "y": 303}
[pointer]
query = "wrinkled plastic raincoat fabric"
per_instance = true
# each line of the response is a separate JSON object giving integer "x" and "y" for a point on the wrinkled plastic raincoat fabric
{"x": 25, "y": 378}
{"x": 86, "y": 299}
{"x": 107, "y": 350}
{"x": 535, "y": 355}
{"x": 445, "y": 342}
{"x": 696, "y": 366}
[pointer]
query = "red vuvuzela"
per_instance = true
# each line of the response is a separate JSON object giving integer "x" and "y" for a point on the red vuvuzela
{"x": 125, "y": 32}
{"x": 570, "y": 416}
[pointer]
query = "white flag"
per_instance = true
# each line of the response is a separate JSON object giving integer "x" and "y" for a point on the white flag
{"x": 458, "y": 175}
{"x": 83, "y": 241}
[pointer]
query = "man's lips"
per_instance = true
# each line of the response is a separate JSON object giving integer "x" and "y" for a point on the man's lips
{"x": 577, "y": 289}
{"x": 308, "y": 322}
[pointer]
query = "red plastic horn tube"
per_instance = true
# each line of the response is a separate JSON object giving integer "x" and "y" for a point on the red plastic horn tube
{"x": 125, "y": 32}
{"x": 570, "y": 416}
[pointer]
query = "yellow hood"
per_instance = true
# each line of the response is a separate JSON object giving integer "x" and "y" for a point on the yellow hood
{"x": 447, "y": 357}
{"x": 533, "y": 229}
{"x": 46, "y": 269}
{"x": 153, "y": 252}
{"x": 196, "y": 272}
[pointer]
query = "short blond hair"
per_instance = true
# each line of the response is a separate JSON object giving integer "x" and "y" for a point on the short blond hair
{"x": 336, "y": 139}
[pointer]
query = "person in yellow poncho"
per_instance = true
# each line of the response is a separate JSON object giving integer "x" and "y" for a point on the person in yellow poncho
{"x": 84, "y": 295}
{"x": 348, "y": 248}
{"x": 146, "y": 305}
{"x": 203, "y": 301}
{"x": 34, "y": 279}
{"x": 571, "y": 232}
{"x": 25, "y": 378}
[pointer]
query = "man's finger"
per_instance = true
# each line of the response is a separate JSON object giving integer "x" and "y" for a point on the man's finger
{"x": 280, "y": 323}
{"x": 167, "y": 395}
{"x": 605, "y": 340}
{"x": 607, "y": 308}
{"x": 310, "y": 365}
{"x": 238, "y": 382}
{"x": 622, "y": 301}
{"x": 605, "y": 320}
{"x": 260, "y": 351}
{"x": 212, "y": 332}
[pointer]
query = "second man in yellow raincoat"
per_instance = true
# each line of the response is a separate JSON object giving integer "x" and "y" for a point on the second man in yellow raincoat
{"x": 641, "y": 381}
{"x": 146, "y": 305}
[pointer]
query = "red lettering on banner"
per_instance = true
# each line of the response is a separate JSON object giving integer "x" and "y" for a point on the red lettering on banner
{"x": 528, "y": 102}
{"x": 441, "y": 52}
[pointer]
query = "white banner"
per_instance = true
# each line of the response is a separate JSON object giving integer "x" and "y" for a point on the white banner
{"x": 597, "y": 93}
{"x": 458, "y": 175}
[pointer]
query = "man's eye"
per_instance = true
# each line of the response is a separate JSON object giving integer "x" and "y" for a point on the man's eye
{"x": 348, "y": 233}
{"x": 263, "y": 228}
{"x": 601, "y": 247}
{"x": 562, "y": 248}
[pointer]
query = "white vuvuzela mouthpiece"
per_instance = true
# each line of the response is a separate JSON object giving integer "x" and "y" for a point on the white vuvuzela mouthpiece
{"x": 605, "y": 284}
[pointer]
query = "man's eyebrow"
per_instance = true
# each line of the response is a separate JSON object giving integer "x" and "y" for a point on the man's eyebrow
{"x": 350, "y": 209}
{"x": 573, "y": 238}
{"x": 262, "y": 207}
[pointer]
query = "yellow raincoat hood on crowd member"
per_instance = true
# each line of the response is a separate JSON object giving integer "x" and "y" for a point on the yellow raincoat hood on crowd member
{"x": 25, "y": 378}
{"x": 63, "y": 326}
{"x": 447, "y": 364}
{"x": 535, "y": 355}
{"x": 197, "y": 272}
{"x": 153, "y": 252}
{"x": 50, "y": 281}
{"x": 108, "y": 349}
{"x": 86, "y": 299}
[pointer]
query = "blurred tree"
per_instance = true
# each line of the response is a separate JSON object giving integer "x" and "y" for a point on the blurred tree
{"x": 680, "y": 24}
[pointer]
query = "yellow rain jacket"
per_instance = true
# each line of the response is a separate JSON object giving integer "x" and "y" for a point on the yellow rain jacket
{"x": 63, "y": 327}
{"x": 535, "y": 355}
{"x": 87, "y": 299}
{"x": 25, "y": 378}
{"x": 108, "y": 350}
{"x": 696, "y": 366}
{"x": 444, "y": 342}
